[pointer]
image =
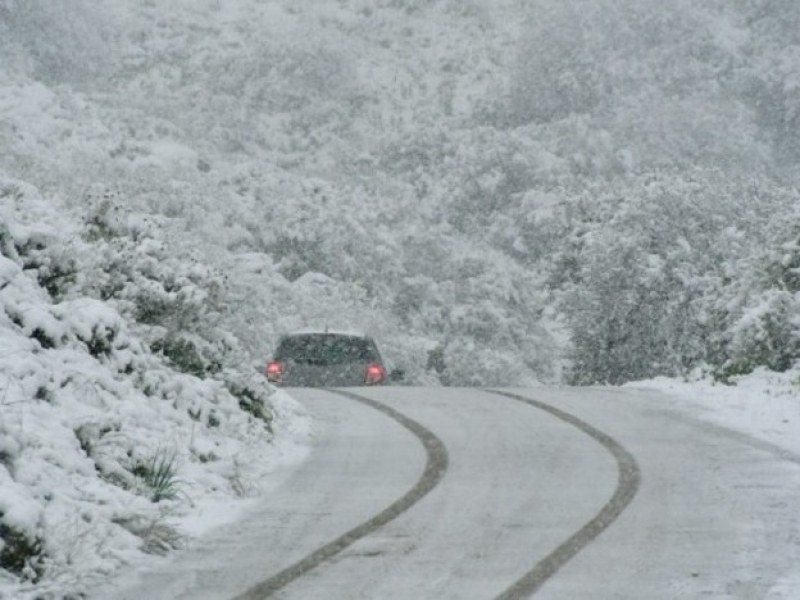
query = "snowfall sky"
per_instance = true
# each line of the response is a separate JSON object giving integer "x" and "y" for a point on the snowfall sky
{"x": 598, "y": 192}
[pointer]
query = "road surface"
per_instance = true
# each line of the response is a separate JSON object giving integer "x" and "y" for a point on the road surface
{"x": 560, "y": 493}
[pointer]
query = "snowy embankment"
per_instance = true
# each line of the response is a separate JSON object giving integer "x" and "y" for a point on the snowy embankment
{"x": 764, "y": 404}
{"x": 106, "y": 450}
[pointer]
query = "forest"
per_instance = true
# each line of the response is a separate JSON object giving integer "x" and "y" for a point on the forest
{"x": 500, "y": 192}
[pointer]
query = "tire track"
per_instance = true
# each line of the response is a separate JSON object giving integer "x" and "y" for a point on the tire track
{"x": 435, "y": 468}
{"x": 627, "y": 486}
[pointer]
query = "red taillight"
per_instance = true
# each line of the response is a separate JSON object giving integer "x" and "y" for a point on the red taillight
{"x": 274, "y": 371}
{"x": 374, "y": 373}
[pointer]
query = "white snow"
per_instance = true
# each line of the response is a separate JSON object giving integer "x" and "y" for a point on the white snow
{"x": 86, "y": 409}
{"x": 234, "y": 169}
{"x": 763, "y": 404}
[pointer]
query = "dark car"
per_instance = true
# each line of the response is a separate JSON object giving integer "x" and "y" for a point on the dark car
{"x": 327, "y": 359}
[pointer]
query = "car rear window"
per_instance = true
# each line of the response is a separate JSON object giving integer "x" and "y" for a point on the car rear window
{"x": 326, "y": 349}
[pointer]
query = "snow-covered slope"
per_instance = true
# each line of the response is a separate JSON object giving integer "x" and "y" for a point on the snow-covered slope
{"x": 106, "y": 451}
{"x": 459, "y": 174}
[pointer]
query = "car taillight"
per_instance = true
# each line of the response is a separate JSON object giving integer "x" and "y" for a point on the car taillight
{"x": 374, "y": 373}
{"x": 274, "y": 371}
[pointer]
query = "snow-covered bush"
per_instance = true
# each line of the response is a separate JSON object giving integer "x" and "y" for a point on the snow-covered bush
{"x": 650, "y": 281}
{"x": 767, "y": 334}
{"x": 158, "y": 474}
{"x": 436, "y": 171}
{"x": 176, "y": 302}
{"x": 761, "y": 323}
{"x": 101, "y": 441}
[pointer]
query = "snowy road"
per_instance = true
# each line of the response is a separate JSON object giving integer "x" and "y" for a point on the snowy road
{"x": 502, "y": 490}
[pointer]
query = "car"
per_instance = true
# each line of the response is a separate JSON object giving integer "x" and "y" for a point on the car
{"x": 327, "y": 359}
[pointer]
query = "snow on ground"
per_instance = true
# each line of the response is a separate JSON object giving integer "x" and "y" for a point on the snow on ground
{"x": 109, "y": 453}
{"x": 85, "y": 407}
{"x": 764, "y": 404}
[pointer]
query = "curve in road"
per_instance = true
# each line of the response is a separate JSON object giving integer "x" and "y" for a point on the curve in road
{"x": 437, "y": 460}
{"x": 627, "y": 486}
{"x": 435, "y": 468}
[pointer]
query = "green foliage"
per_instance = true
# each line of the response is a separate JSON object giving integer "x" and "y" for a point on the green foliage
{"x": 101, "y": 341}
{"x": 765, "y": 335}
{"x": 184, "y": 356}
{"x": 177, "y": 299}
{"x": 45, "y": 341}
{"x": 89, "y": 435}
{"x": 158, "y": 473}
{"x": 783, "y": 270}
{"x": 153, "y": 310}
{"x": 649, "y": 288}
{"x": 20, "y": 554}
{"x": 37, "y": 252}
{"x": 760, "y": 326}
{"x": 251, "y": 401}
{"x": 57, "y": 280}
{"x": 298, "y": 256}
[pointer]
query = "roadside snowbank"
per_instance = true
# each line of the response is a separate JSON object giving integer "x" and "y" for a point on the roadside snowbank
{"x": 107, "y": 450}
{"x": 764, "y": 404}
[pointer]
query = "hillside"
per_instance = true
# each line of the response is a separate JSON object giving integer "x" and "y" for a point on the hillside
{"x": 451, "y": 173}
{"x": 501, "y": 192}
{"x": 117, "y": 435}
